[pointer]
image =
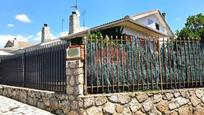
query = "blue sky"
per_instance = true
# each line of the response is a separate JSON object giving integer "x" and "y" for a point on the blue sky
{"x": 24, "y": 18}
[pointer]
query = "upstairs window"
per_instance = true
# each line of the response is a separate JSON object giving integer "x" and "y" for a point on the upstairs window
{"x": 157, "y": 26}
{"x": 150, "y": 22}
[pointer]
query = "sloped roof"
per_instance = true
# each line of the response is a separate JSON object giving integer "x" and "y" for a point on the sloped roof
{"x": 22, "y": 44}
{"x": 120, "y": 21}
{"x": 10, "y": 43}
{"x": 143, "y": 14}
{"x": 17, "y": 44}
{"x": 45, "y": 44}
{"x": 4, "y": 53}
{"x": 112, "y": 24}
{"x": 14, "y": 45}
{"x": 9, "y": 50}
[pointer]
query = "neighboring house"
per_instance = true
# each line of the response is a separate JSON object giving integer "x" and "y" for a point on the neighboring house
{"x": 17, "y": 44}
{"x": 13, "y": 45}
{"x": 151, "y": 23}
{"x": 46, "y": 41}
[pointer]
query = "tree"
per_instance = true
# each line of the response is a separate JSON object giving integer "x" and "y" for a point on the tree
{"x": 194, "y": 27}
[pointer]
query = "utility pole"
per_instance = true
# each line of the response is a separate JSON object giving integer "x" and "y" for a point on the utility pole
{"x": 62, "y": 25}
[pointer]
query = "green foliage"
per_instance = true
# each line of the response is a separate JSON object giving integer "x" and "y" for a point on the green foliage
{"x": 194, "y": 27}
{"x": 115, "y": 31}
{"x": 106, "y": 41}
{"x": 77, "y": 41}
{"x": 107, "y": 36}
{"x": 94, "y": 35}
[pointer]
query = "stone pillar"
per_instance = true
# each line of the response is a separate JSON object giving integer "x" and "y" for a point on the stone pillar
{"x": 75, "y": 77}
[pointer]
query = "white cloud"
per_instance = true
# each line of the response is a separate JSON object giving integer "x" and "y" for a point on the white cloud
{"x": 53, "y": 36}
{"x": 63, "y": 34}
{"x": 23, "y": 18}
{"x": 30, "y": 38}
{"x": 11, "y": 25}
{"x": 37, "y": 37}
{"x": 83, "y": 28}
{"x": 179, "y": 19}
{"x": 5, "y": 38}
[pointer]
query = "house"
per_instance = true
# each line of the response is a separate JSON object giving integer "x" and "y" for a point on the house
{"x": 151, "y": 23}
{"x": 13, "y": 45}
{"x": 16, "y": 44}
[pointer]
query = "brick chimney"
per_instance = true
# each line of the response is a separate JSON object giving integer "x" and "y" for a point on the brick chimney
{"x": 74, "y": 22}
{"x": 45, "y": 33}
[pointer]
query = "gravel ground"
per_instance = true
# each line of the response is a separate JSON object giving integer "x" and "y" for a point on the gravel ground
{"x": 11, "y": 107}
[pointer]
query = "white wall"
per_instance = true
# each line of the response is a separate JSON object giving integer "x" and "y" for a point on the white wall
{"x": 136, "y": 35}
{"x": 144, "y": 21}
{"x": 131, "y": 32}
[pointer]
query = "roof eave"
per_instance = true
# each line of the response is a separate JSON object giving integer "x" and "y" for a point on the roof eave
{"x": 108, "y": 25}
{"x": 148, "y": 28}
{"x": 166, "y": 24}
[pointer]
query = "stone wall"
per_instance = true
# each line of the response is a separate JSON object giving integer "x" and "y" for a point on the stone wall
{"x": 50, "y": 101}
{"x": 170, "y": 102}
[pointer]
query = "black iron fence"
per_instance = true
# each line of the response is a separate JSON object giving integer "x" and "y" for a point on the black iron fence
{"x": 122, "y": 64}
{"x": 39, "y": 67}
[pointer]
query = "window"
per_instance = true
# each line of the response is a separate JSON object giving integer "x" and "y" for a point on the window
{"x": 150, "y": 22}
{"x": 157, "y": 26}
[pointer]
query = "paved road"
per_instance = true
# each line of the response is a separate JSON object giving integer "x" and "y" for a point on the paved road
{"x": 12, "y": 107}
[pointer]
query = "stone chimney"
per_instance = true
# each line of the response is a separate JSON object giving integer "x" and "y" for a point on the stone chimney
{"x": 45, "y": 33}
{"x": 74, "y": 22}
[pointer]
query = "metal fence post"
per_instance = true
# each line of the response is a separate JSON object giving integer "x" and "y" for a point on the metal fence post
{"x": 23, "y": 67}
{"x": 85, "y": 65}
